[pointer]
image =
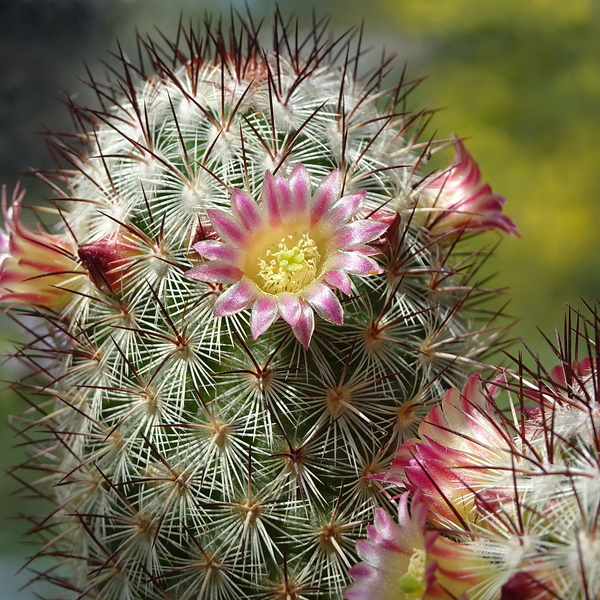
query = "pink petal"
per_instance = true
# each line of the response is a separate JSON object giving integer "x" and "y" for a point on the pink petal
{"x": 227, "y": 226}
{"x": 245, "y": 210}
{"x": 352, "y": 262}
{"x": 306, "y": 325}
{"x": 4, "y": 243}
{"x": 299, "y": 183}
{"x": 264, "y": 313}
{"x": 213, "y": 250}
{"x": 326, "y": 195}
{"x": 284, "y": 196}
{"x": 345, "y": 208}
{"x": 339, "y": 280}
{"x": 270, "y": 198}
{"x": 289, "y": 308}
{"x": 235, "y": 298}
{"x": 365, "y": 250}
{"x": 215, "y": 271}
{"x": 325, "y": 302}
{"x": 358, "y": 232}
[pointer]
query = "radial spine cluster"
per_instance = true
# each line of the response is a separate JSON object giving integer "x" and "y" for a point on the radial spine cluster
{"x": 207, "y": 435}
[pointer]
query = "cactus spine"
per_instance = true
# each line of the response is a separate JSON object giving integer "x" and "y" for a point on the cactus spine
{"x": 188, "y": 459}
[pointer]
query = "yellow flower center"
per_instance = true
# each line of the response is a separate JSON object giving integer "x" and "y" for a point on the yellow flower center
{"x": 411, "y": 584}
{"x": 288, "y": 265}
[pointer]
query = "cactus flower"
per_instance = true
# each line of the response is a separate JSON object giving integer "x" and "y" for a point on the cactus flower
{"x": 462, "y": 202}
{"x": 457, "y": 441}
{"x": 407, "y": 560}
{"x": 36, "y": 268}
{"x": 285, "y": 256}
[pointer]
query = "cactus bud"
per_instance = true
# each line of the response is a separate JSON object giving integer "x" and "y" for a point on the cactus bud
{"x": 460, "y": 201}
{"x": 108, "y": 260}
{"x": 36, "y": 268}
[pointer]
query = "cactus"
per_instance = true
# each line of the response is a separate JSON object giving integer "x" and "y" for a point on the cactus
{"x": 257, "y": 291}
{"x": 504, "y": 502}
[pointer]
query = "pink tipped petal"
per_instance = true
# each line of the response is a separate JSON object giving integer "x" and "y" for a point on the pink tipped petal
{"x": 365, "y": 250}
{"x": 270, "y": 192}
{"x": 235, "y": 298}
{"x": 325, "y": 196}
{"x": 358, "y": 232}
{"x": 357, "y": 264}
{"x": 212, "y": 250}
{"x": 345, "y": 208}
{"x": 325, "y": 302}
{"x": 306, "y": 325}
{"x": 289, "y": 308}
{"x": 264, "y": 313}
{"x": 339, "y": 280}
{"x": 300, "y": 187}
{"x": 215, "y": 272}
{"x": 227, "y": 226}
{"x": 246, "y": 210}
{"x": 284, "y": 197}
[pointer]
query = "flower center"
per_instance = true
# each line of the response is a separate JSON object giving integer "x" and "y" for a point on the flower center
{"x": 288, "y": 265}
{"x": 411, "y": 583}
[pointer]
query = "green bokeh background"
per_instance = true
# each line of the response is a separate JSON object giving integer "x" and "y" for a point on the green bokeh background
{"x": 519, "y": 78}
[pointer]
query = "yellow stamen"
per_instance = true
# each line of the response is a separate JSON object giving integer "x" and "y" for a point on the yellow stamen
{"x": 411, "y": 584}
{"x": 288, "y": 265}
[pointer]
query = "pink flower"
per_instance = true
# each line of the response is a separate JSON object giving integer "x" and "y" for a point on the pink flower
{"x": 36, "y": 268}
{"x": 462, "y": 202}
{"x": 284, "y": 256}
{"x": 408, "y": 560}
{"x": 462, "y": 456}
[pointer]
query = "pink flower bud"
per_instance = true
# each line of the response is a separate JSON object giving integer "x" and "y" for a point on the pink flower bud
{"x": 107, "y": 260}
{"x": 460, "y": 201}
{"x": 36, "y": 268}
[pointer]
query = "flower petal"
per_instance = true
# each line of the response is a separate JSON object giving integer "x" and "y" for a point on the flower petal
{"x": 270, "y": 191}
{"x": 227, "y": 226}
{"x": 345, "y": 208}
{"x": 325, "y": 196}
{"x": 213, "y": 250}
{"x": 289, "y": 308}
{"x": 215, "y": 271}
{"x": 246, "y": 210}
{"x": 299, "y": 183}
{"x": 358, "y": 232}
{"x": 325, "y": 302}
{"x": 235, "y": 298}
{"x": 306, "y": 324}
{"x": 365, "y": 250}
{"x": 285, "y": 198}
{"x": 264, "y": 313}
{"x": 339, "y": 280}
{"x": 352, "y": 262}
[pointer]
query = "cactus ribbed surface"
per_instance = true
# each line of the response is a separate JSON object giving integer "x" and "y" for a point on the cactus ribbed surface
{"x": 194, "y": 456}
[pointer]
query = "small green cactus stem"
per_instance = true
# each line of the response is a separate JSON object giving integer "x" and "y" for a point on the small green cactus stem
{"x": 266, "y": 317}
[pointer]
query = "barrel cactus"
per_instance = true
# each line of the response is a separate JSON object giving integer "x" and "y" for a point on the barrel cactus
{"x": 256, "y": 292}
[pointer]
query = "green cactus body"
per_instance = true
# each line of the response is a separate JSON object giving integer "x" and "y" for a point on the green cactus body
{"x": 189, "y": 460}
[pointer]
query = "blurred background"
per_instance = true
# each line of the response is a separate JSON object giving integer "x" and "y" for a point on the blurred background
{"x": 519, "y": 79}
